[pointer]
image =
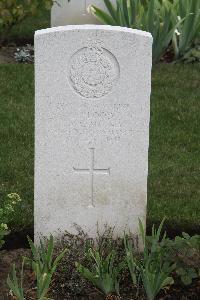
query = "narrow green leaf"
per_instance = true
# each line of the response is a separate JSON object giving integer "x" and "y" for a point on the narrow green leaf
{"x": 102, "y": 16}
{"x": 111, "y": 9}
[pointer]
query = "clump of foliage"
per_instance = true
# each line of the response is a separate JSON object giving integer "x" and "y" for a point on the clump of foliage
{"x": 103, "y": 263}
{"x": 13, "y": 12}
{"x": 7, "y": 210}
{"x": 162, "y": 259}
{"x": 15, "y": 285}
{"x": 185, "y": 253}
{"x": 25, "y": 54}
{"x": 187, "y": 12}
{"x": 152, "y": 16}
{"x": 43, "y": 267}
{"x": 68, "y": 282}
{"x": 151, "y": 268}
{"x": 193, "y": 54}
{"x": 176, "y": 22}
{"x": 105, "y": 271}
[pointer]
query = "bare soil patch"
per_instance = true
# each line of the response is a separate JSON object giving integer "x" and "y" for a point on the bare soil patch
{"x": 7, "y": 258}
{"x": 7, "y": 54}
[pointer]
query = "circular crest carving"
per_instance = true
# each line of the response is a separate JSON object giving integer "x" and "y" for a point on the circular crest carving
{"x": 93, "y": 71}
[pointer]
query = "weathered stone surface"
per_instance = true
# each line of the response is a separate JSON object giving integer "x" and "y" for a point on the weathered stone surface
{"x": 91, "y": 128}
{"x": 75, "y": 12}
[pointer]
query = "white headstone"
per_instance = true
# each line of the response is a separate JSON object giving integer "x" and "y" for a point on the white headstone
{"x": 91, "y": 128}
{"x": 75, "y": 12}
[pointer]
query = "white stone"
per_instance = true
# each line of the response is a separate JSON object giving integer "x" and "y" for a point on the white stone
{"x": 75, "y": 12}
{"x": 91, "y": 128}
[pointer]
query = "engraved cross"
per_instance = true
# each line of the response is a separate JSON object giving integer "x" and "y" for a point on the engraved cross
{"x": 92, "y": 171}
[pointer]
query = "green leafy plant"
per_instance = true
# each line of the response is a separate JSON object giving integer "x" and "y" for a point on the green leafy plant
{"x": 186, "y": 274}
{"x": 15, "y": 286}
{"x": 151, "y": 268}
{"x": 184, "y": 252}
{"x": 43, "y": 267}
{"x": 153, "y": 16}
{"x": 13, "y": 12}
{"x": 188, "y": 29}
{"x": 192, "y": 55}
{"x": 25, "y": 54}
{"x": 67, "y": 281}
{"x": 3, "y": 232}
{"x": 7, "y": 210}
{"x": 168, "y": 21}
{"x": 104, "y": 274}
{"x": 131, "y": 258}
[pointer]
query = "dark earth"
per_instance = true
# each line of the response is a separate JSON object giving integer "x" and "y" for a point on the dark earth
{"x": 16, "y": 247}
{"x": 7, "y": 258}
{"x": 7, "y": 54}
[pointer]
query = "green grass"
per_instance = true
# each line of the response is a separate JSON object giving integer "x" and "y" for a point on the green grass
{"x": 17, "y": 137}
{"x": 173, "y": 189}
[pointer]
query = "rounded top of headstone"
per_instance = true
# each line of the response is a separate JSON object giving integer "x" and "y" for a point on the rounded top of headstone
{"x": 94, "y": 27}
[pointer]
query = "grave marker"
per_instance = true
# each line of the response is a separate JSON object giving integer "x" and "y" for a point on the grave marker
{"x": 91, "y": 128}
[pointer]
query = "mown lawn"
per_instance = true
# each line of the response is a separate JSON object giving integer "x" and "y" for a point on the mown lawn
{"x": 173, "y": 189}
{"x": 174, "y": 175}
{"x": 17, "y": 137}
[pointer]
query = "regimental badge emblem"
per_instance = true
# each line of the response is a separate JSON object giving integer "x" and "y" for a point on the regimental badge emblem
{"x": 93, "y": 71}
